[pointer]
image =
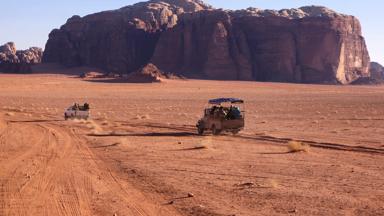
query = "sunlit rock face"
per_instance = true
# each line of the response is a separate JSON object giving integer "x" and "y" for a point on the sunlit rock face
{"x": 119, "y": 41}
{"x": 18, "y": 61}
{"x": 187, "y": 37}
{"x": 306, "y": 45}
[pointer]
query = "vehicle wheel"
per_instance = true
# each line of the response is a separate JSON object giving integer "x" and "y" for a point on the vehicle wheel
{"x": 65, "y": 117}
{"x": 215, "y": 131}
{"x": 234, "y": 132}
{"x": 200, "y": 130}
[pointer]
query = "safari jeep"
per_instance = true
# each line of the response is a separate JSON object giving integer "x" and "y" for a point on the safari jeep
{"x": 224, "y": 114}
{"x": 77, "y": 112}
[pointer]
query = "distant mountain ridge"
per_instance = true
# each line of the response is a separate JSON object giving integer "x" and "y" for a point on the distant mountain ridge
{"x": 18, "y": 61}
{"x": 311, "y": 44}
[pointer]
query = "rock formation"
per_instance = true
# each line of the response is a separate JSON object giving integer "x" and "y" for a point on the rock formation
{"x": 119, "y": 41}
{"x": 376, "y": 75}
{"x": 14, "y": 61}
{"x": 376, "y": 70}
{"x": 310, "y": 45}
{"x": 147, "y": 74}
{"x": 186, "y": 37}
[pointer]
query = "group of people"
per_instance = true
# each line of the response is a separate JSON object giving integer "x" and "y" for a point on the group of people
{"x": 232, "y": 112}
{"x": 85, "y": 107}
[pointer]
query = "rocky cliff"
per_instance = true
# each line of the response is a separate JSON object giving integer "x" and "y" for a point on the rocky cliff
{"x": 186, "y": 37}
{"x": 119, "y": 41}
{"x": 376, "y": 77}
{"x": 376, "y": 70}
{"x": 14, "y": 61}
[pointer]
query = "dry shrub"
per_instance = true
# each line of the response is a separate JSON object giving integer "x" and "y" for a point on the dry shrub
{"x": 204, "y": 143}
{"x": 9, "y": 114}
{"x": 124, "y": 141}
{"x": 90, "y": 124}
{"x": 296, "y": 146}
{"x": 28, "y": 114}
{"x": 93, "y": 126}
{"x": 114, "y": 133}
{"x": 81, "y": 121}
{"x": 273, "y": 183}
{"x": 200, "y": 146}
{"x": 184, "y": 114}
{"x": 105, "y": 123}
{"x": 137, "y": 117}
{"x": 145, "y": 116}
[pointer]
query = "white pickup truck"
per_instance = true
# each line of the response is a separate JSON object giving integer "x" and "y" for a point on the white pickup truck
{"x": 77, "y": 112}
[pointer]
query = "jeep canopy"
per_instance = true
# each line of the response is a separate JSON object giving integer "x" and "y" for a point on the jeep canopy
{"x": 219, "y": 101}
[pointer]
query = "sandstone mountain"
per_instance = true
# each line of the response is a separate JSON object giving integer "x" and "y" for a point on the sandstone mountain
{"x": 119, "y": 41}
{"x": 20, "y": 61}
{"x": 376, "y": 70}
{"x": 376, "y": 77}
{"x": 187, "y": 37}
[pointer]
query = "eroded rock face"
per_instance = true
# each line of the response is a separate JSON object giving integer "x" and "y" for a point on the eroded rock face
{"x": 308, "y": 45}
{"x": 376, "y": 76}
{"x": 13, "y": 61}
{"x": 376, "y": 70}
{"x": 119, "y": 41}
{"x": 186, "y": 37}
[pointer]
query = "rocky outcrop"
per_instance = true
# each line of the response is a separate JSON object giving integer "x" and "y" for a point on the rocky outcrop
{"x": 376, "y": 70}
{"x": 186, "y": 37}
{"x": 13, "y": 61}
{"x": 308, "y": 45}
{"x": 376, "y": 75}
{"x": 119, "y": 41}
{"x": 147, "y": 74}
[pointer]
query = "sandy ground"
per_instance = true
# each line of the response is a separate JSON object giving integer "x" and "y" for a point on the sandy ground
{"x": 140, "y": 155}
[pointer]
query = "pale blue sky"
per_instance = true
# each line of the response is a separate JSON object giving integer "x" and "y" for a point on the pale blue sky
{"x": 28, "y": 22}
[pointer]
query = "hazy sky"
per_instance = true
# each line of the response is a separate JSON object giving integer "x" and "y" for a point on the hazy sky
{"x": 28, "y": 22}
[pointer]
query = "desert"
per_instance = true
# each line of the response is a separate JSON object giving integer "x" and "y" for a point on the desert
{"x": 121, "y": 110}
{"x": 140, "y": 153}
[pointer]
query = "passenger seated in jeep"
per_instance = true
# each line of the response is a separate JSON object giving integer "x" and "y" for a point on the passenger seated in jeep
{"x": 234, "y": 113}
{"x": 86, "y": 106}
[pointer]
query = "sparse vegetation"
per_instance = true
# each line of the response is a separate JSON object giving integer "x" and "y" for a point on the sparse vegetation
{"x": 273, "y": 183}
{"x": 296, "y": 146}
{"x": 96, "y": 129}
{"x": 145, "y": 116}
{"x": 105, "y": 123}
{"x": 10, "y": 114}
{"x": 204, "y": 143}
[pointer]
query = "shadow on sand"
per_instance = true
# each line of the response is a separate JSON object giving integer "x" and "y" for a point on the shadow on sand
{"x": 152, "y": 134}
{"x": 37, "y": 121}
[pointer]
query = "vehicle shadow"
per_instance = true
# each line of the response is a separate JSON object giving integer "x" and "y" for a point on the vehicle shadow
{"x": 151, "y": 134}
{"x": 114, "y": 81}
{"x": 106, "y": 146}
{"x": 274, "y": 153}
{"x": 37, "y": 121}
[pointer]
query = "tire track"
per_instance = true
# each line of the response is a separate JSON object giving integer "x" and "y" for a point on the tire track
{"x": 326, "y": 145}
